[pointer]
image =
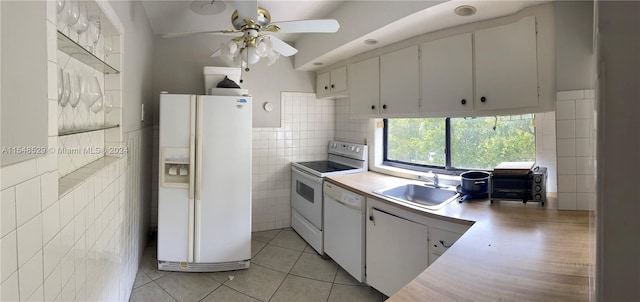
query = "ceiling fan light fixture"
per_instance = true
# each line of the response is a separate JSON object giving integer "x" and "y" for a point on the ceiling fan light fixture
{"x": 465, "y": 10}
{"x": 207, "y": 7}
{"x": 263, "y": 47}
{"x": 253, "y": 22}
{"x": 250, "y": 55}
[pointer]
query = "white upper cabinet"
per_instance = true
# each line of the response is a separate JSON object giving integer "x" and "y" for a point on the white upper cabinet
{"x": 400, "y": 83}
{"x": 323, "y": 84}
{"x": 339, "y": 80}
{"x": 447, "y": 75}
{"x": 506, "y": 66}
{"x": 365, "y": 91}
{"x": 485, "y": 72}
{"x": 332, "y": 83}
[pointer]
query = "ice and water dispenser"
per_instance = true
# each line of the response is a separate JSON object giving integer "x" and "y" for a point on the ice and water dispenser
{"x": 175, "y": 164}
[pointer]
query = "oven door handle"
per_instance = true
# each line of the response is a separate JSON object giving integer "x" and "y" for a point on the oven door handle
{"x": 308, "y": 176}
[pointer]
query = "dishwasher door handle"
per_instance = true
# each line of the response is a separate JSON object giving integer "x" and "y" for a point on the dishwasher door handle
{"x": 348, "y": 205}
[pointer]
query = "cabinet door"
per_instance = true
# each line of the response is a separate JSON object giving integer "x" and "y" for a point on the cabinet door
{"x": 397, "y": 251}
{"x": 447, "y": 75}
{"x": 323, "y": 82}
{"x": 339, "y": 80}
{"x": 400, "y": 82}
{"x": 506, "y": 66}
{"x": 440, "y": 241}
{"x": 364, "y": 81}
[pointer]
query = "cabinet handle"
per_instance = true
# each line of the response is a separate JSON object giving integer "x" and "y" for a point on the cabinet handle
{"x": 326, "y": 87}
{"x": 333, "y": 86}
{"x": 373, "y": 107}
{"x": 483, "y": 99}
{"x": 463, "y": 102}
{"x": 384, "y": 106}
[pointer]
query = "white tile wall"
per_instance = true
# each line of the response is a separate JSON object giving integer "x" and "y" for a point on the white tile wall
{"x": 307, "y": 127}
{"x": 575, "y": 144}
{"x": 77, "y": 242}
{"x": 65, "y": 249}
{"x": 546, "y": 148}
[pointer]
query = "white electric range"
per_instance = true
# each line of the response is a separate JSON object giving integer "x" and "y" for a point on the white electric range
{"x": 306, "y": 187}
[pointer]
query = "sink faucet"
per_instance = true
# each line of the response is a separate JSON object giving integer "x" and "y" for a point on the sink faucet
{"x": 434, "y": 178}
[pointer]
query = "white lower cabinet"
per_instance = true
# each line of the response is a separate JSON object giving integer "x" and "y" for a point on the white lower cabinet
{"x": 397, "y": 251}
{"x": 439, "y": 241}
{"x": 401, "y": 244}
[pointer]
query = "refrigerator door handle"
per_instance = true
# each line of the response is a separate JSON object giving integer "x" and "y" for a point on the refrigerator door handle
{"x": 199, "y": 148}
{"x": 192, "y": 147}
{"x": 192, "y": 168}
{"x": 196, "y": 246}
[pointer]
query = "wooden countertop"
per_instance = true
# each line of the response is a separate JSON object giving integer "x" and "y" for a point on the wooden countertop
{"x": 513, "y": 251}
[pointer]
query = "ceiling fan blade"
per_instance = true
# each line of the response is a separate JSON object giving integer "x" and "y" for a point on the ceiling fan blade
{"x": 224, "y": 31}
{"x": 308, "y": 26}
{"x": 247, "y": 9}
{"x": 282, "y": 47}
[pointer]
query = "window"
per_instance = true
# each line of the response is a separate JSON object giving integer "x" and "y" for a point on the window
{"x": 458, "y": 143}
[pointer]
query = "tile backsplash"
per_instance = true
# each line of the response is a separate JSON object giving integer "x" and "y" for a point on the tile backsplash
{"x": 575, "y": 144}
{"x": 307, "y": 127}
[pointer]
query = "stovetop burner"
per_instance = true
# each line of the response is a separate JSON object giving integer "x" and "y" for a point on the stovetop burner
{"x": 325, "y": 166}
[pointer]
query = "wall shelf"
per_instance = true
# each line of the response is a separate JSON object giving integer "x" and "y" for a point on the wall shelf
{"x": 84, "y": 130}
{"x": 73, "y": 49}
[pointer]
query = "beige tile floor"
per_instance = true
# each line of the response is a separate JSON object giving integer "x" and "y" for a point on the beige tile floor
{"x": 283, "y": 268}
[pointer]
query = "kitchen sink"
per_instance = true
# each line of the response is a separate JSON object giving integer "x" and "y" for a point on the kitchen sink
{"x": 421, "y": 195}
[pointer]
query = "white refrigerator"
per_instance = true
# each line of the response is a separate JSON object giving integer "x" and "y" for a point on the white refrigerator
{"x": 204, "y": 190}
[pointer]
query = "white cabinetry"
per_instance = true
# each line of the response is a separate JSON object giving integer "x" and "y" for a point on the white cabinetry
{"x": 397, "y": 251}
{"x": 506, "y": 66}
{"x": 400, "y": 82}
{"x": 386, "y": 86}
{"x": 332, "y": 83}
{"x": 401, "y": 244}
{"x": 483, "y": 72}
{"x": 440, "y": 241}
{"x": 364, "y": 77}
{"x": 447, "y": 75}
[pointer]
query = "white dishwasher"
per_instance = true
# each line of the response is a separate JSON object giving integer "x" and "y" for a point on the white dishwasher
{"x": 344, "y": 229}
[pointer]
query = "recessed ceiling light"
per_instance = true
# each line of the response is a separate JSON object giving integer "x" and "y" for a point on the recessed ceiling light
{"x": 465, "y": 10}
{"x": 370, "y": 41}
{"x": 318, "y": 63}
{"x": 207, "y": 7}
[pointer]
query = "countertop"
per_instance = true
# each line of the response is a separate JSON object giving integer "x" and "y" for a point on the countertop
{"x": 512, "y": 252}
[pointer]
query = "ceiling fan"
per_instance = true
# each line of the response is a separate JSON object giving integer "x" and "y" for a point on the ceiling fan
{"x": 254, "y": 23}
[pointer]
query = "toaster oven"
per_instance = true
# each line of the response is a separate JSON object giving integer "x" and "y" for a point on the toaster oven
{"x": 531, "y": 186}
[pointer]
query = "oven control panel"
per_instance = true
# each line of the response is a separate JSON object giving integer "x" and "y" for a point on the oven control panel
{"x": 350, "y": 150}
